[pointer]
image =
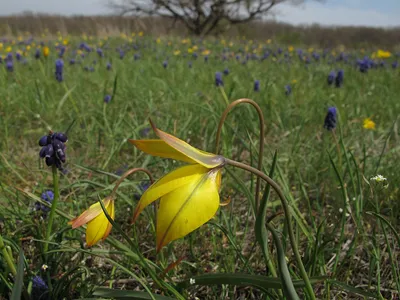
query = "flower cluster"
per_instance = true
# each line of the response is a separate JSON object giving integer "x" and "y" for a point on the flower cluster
{"x": 330, "y": 119}
{"x": 339, "y": 78}
{"x": 53, "y": 149}
{"x": 39, "y": 288}
{"x": 218, "y": 79}
{"x": 47, "y": 196}
{"x": 380, "y": 180}
{"x": 257, "y": 85}
{"x": 369, "y": 124}
{"x": 59, "y": 70}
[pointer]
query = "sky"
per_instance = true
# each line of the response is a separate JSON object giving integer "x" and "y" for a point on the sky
{"x": 381, "y": 13}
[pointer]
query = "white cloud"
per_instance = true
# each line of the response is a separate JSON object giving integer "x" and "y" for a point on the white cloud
{"x": 334, "y": 15}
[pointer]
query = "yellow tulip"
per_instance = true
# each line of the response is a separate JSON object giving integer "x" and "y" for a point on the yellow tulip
{"x": 189, "y": 195}
{"x": 383, "y": 54}
{"x": 46, "y": 51}
{"x": 368, "y": 124}
{"x": 98, "y": 226}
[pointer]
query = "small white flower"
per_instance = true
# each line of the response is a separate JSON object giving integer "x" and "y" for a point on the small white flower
{"x": 378, "y": 178}
{"x": 44, "y": 267}
{"x": 340, "y": 210}
{"x": 192, "y": 281}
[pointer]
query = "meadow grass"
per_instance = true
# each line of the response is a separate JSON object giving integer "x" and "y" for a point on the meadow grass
{"x": 346, "y": 225}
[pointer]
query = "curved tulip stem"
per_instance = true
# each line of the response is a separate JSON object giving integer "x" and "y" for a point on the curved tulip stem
{"x": 126, "y": 174}
{"x": 288, "y": 220}
{"x": 261, "y": 146}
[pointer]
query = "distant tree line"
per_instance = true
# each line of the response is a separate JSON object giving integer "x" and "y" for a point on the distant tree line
{"x": 279, "y": 32}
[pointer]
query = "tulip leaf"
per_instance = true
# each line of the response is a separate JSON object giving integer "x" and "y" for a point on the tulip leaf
{"x": 352, "y": 289}
{"x": 260, "y": 229}
{"x": 258, "y": 281}
{"x": 124, "y": 294}
{"x": 19, "y": 280}
{"x": 287, "y": 283}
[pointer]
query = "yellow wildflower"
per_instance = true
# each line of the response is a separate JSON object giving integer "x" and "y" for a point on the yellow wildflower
{"x": 189, "y": 195}
{"x": 98, "y": 226}
{"x": 369, "y": 124}
{"x": 46, "y": 51}
{"x": 383, "y": 54}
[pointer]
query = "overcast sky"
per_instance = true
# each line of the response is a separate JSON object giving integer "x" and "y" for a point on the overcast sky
{"x": 332, "y": 12}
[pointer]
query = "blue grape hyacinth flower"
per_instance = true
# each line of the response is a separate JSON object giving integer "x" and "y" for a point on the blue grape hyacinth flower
{"x": 10, "y": 66}
{"x": 257, "y": 85}
{"x": 143, "y": 186}
{"x": 39, "y": 288}
{"x": 331, "y": 77}
{"x": 288, "y": 90}
{"x": 330, "y": 119}
{"x": 53, "y": 149}
{"x": 47, "y": 196}
{"x": 107, "y": 98}
{"x": 59, "y": 70}
{"x": 37, "y": 53}
{"x": 339, "y": 78}
{"x": 218, "y": 79}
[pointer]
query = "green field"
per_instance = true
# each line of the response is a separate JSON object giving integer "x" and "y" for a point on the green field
{"x": 345, "y": 225}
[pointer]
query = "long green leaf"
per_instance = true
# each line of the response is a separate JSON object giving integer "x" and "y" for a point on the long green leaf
{"x": 352, "y": 289}
{"x": 287, "y": 283}
{"x": 19, "y": 280}
{"x": 258, "y": 281}
{"x": 260, "y": 229}
{"x": 123, "y": 294}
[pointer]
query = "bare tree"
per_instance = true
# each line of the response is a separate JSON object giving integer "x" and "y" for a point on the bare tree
{"x": 199, "y": 16}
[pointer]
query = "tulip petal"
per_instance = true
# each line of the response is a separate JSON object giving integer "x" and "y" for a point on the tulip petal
{"x": 92, "y": 212}
{"x": 161, "y": 149}
{"x": 205, "y": 159}
{"x": 99, "y": 227}
{"x": 168, "y": 183}
{"x": 187, "y": 208}
{"x": 111, "y": 212}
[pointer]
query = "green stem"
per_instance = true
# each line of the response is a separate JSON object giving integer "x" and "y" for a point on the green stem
{"x": 53, "y": 208}
{"x": 285, "y": 207}
{"x": 7, "y": 257}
